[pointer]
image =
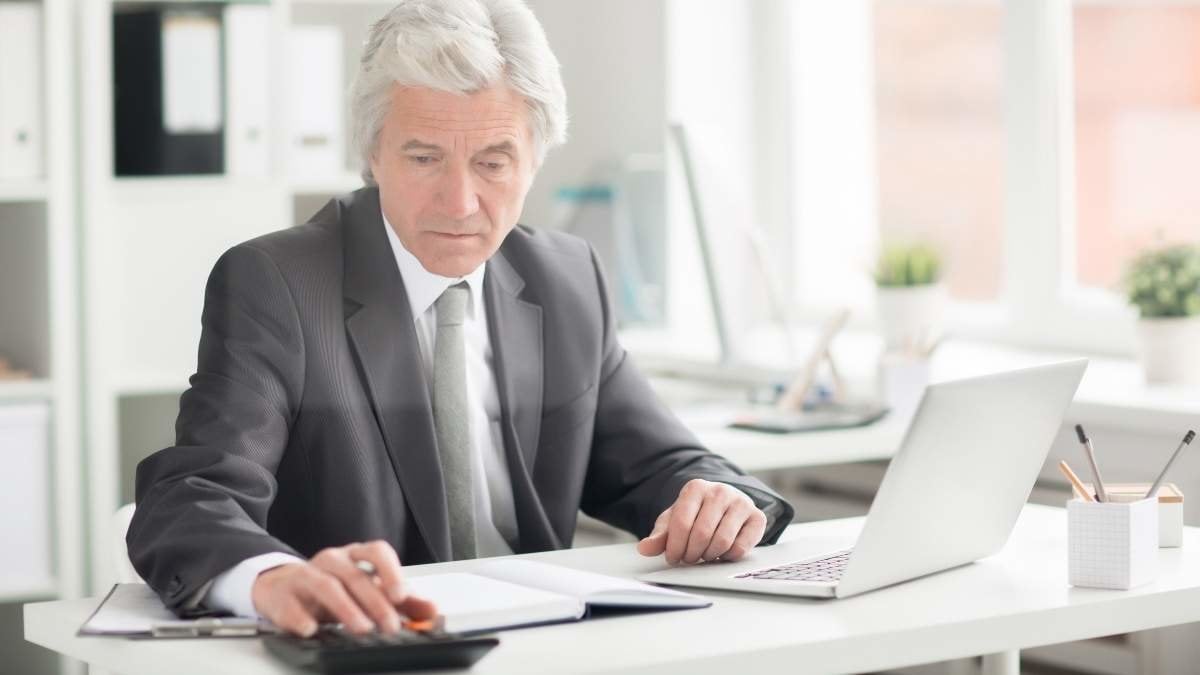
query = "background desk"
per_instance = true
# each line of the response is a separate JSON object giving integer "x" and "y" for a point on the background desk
{"x": 1016, "y": 599}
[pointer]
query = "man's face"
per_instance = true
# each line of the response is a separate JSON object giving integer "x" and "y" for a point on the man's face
{"x": 453, "y": 171}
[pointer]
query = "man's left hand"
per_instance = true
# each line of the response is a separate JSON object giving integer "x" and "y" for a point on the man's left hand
{"x": 707, "y": 521}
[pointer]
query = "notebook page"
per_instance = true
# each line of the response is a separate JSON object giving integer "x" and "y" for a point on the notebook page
{"x": 596, "y": 589}
{"x": 469, "y": 602}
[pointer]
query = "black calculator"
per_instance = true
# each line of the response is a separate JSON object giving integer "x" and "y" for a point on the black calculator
{"x": 334, "y": 650}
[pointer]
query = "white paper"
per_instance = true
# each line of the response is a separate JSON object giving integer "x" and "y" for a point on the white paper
{"x": 596, "y": 589}
{"x": 20, "y": 90}
{"x": 469, "y": 602}
{"x": 129, "y": 609}
{"x": 191, "y": 73}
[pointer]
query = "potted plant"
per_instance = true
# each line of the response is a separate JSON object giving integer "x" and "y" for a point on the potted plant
{"x": 1164, "y": 285}
{"x": 909, "y": 297}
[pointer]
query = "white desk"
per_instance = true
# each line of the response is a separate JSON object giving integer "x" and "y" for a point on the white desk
{"x": 1016, "y": 599}
{"x": 707, "y": 410}
{"x": 759, "y": 451}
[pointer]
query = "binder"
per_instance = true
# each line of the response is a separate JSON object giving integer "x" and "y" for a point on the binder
{"x": 316, "y": 100}
{"x": 21, "y": 144}
{"x": 248, "y": 90}
{"x": 168, "y": 106}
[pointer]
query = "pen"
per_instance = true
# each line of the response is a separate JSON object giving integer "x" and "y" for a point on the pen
{"x": 1187, "y": 438}
{"x": 1066, "y": 470}
{"x": 1101, "y": 493}
{"x": 414, "y": 625}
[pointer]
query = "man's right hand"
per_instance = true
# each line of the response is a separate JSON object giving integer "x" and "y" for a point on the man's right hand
{"x": 331, "y": 587}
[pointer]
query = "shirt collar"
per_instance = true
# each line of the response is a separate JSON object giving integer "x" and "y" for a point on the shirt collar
{"x": 425, "y": 287}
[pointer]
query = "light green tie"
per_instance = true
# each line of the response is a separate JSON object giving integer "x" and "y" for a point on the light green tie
{"x": 451, "y": 419}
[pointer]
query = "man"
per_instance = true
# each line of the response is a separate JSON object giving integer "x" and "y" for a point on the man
{"x": 413, "y": 370}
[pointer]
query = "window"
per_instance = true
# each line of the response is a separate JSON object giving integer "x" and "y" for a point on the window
{"x": 939, "y": 128}
{"x": 1039, "y": 145}
{"x": 1137, "y": 133}
{"x": 898, "y": 136}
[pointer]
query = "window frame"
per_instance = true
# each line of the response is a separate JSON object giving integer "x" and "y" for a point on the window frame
{"x": 1040, "y": 303}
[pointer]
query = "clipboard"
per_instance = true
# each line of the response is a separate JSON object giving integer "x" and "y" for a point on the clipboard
{"x": 135, "y": 611}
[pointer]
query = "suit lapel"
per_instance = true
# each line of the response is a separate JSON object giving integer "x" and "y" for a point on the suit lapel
{"x": 515, "y": 331}
{"x": 380, "y": 326}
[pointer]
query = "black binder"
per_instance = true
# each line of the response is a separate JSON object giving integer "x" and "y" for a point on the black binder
{"x": 143, "y": 146}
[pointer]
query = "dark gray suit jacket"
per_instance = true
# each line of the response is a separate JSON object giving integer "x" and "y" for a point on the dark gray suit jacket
{"x": 308, "y": 422}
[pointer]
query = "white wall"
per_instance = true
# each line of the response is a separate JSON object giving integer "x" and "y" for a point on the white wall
{"x": 613, "y": 59}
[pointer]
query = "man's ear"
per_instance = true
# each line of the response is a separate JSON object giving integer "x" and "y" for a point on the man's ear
{"x": 373, "y": 162}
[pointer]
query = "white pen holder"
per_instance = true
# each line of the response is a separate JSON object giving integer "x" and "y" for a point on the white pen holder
{"x": 1112, "y": 544}
{"x": 1170, "y": 508}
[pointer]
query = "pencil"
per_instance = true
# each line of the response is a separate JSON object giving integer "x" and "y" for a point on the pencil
{"x": 1066, "y": 470}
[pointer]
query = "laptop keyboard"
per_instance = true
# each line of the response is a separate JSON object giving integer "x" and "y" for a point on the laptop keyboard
{"x": 824, "y": 569}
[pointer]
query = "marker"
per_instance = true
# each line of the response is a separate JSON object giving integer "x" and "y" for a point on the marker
{"x": 1101, "y": 493}
{"x": 1187, "y": 438}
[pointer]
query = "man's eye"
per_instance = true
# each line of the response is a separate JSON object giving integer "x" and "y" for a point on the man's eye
{"x": 492, "y": 166}
{"x": 422, "y": 159}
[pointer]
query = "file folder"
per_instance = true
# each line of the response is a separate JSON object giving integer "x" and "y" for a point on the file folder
{"x": 21, "y": 144}
{"x": 248, "y": 87}
{"x": 167, "y": 91}
{"x": 316, "y": 99}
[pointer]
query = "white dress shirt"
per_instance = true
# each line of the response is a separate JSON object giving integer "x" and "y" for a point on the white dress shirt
{"x": 495, "y": 515}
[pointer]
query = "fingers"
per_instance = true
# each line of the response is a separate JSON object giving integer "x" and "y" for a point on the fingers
{"x": 294, "y": 597}
{"x": 683, "y": 514}
{"x": 387, "y": 566}
{"x": 332, "y": 587}
{"x": 417, "y": 609}
{"x": 717, "y": 505}
{"x": 727, "y": 531}
{"x": 749, "y": 536}
{"x": 656, "y": 542}
{"x": 708, "y": 520}
{"x": 361, "y": 586}
{"x": 292, "y": 616}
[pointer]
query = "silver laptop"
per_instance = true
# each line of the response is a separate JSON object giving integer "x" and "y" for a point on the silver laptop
{"x": 951, "y": 495}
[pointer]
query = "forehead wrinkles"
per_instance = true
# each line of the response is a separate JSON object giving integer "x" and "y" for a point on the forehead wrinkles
{"x": 465, "y": 126}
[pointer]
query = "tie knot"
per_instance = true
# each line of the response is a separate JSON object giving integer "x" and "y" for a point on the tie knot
{"x": 452, "y": 305}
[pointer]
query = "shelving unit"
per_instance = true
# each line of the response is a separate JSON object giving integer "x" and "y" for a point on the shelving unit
{"x": 142, "y": 301}
{"x": 39, "y": 334}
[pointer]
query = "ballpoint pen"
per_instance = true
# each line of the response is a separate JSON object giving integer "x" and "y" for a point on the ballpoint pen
{"x": 1187, "y": 438}
{"x": 1101, "y": 493}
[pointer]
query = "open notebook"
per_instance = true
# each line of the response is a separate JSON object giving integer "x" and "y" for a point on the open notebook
{"x": 509, "y": 593}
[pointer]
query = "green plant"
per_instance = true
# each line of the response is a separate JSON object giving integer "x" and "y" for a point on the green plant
{"x": 1165, "y": 281}
{"x": 908, "y": 265}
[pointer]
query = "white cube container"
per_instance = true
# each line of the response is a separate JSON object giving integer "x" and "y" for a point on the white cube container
{"x": 1112, "y": 544}
{"x": 26, "y": 568}
{"x": 1170, "y": 508}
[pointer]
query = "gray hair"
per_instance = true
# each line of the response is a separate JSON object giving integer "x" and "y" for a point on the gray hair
{"x": 459, "y": 46}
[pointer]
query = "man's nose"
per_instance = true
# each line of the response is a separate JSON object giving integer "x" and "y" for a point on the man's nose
{"x": 457, "y": 194}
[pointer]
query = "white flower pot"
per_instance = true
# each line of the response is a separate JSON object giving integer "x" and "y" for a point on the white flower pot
{"x": 1169, "y": 349}
{"x": 910, "y": 316}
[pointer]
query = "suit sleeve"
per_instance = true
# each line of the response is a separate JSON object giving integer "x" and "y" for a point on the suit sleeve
{"x": 202, "y": 504}
{"x": 642, "y": 455}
